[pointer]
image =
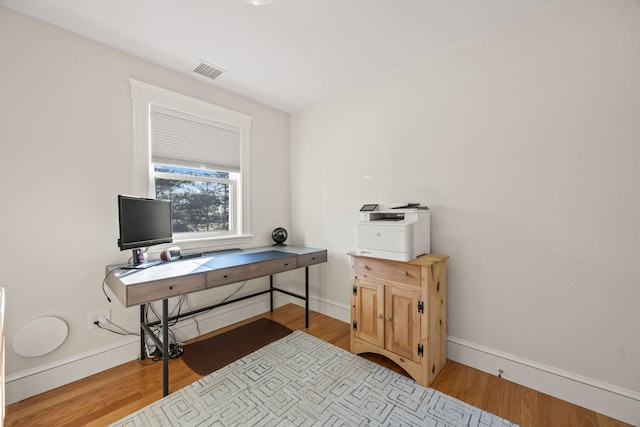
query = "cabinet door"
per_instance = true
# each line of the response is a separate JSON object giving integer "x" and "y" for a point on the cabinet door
{"x": 369, "y": 312}
{"x": 402, "y": 322}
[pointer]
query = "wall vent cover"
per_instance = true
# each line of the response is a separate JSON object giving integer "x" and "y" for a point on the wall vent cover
{"x": 207, "y": 70}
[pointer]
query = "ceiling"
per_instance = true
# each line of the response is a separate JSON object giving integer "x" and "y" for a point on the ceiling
{"x": 290, "y": 54}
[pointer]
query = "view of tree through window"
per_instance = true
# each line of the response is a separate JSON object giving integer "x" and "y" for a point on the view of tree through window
{"x": 200, "y": 197}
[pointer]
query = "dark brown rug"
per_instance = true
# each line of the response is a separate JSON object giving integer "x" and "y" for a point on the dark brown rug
{"x": 211, "y": 354}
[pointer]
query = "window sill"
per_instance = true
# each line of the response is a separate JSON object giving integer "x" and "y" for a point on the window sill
{"x": 204, "y": 244}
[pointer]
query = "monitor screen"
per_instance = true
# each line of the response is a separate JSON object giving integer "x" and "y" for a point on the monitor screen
{"x": 143, "y": 222}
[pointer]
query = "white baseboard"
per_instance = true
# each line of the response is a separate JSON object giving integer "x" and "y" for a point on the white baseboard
{"x": 328, "y": 308}
{"x": 22, "y": 385}
{"x": 616, "y": 402}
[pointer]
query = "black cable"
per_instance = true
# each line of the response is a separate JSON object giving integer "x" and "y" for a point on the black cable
{"x": 234, "y": 292}
{"x": 152, "y": 359}
{"x": 194, "y": 316}
{"x": 175, "y": 349}
{"x": 104, "y": 282}
{"x": 179, "y": 307}
{"x": 123, "y": 332}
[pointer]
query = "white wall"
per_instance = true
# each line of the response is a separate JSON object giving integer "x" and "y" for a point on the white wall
{"x": 66, "y": 138}
{"x": 525, "y": 144}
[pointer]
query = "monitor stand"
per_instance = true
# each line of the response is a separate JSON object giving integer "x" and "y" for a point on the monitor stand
{"x": 142, "y": 266}
{"x": 140, "y": 260}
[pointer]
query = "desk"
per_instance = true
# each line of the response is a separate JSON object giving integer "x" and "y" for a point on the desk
{"x": 171, "y": 279}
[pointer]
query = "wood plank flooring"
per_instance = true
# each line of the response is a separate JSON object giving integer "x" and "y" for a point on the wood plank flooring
{"x": 110, "y": 395}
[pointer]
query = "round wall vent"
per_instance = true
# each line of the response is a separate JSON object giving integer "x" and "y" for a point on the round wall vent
{"x": 40, "y": 336}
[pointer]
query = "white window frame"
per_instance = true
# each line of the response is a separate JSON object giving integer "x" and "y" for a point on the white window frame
{"x": 144, "y": 96}
{"x": 234, "y": 179}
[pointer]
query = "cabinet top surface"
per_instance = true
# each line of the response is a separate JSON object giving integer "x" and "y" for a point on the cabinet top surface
{"x": 426, "y": 259}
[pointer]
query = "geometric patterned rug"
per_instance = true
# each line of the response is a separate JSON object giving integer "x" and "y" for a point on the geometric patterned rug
{"x": 301, "y": 380}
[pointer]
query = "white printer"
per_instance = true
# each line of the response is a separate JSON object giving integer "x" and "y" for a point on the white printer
{"x": 397, "y": 232}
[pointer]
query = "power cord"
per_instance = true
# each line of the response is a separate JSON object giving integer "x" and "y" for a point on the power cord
{"x": 194, "y": 316}
{"x": 234, "y": 292}
{"x": 122, "y": 331}
{"x": 104, "y": 282}
{"x": 175, "y": 350}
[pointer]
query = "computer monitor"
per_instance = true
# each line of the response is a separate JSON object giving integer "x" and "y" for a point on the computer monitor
{"x": 143, "y": 222}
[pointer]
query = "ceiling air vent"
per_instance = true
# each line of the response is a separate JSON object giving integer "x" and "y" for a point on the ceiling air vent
{"x": 207, "y": 70}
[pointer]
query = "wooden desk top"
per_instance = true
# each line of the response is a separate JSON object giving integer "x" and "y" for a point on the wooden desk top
{"x": 169, "y": 279}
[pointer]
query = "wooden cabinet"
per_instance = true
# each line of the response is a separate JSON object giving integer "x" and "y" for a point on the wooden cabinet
{"x": 398, "y": 309}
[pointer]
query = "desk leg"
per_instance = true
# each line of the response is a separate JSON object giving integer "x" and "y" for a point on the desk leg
{"x": 165, "y": 347}
{"x": 271, "y": 290}
{"x": 306, "y": 297}
{"x": 143, "y": 347}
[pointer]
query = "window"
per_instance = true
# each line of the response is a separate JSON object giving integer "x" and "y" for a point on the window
{"x": 196, "y": 155}
{"x": 201, "y": 198}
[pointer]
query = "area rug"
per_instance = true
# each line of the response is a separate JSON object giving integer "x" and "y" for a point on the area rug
{"x": 211, "y": 354}
{"x": 301, "y": 380}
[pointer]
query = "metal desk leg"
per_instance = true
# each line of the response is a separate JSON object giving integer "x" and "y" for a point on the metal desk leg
{"x": 143, "y": 347}
{"x": 306, "y": 297}
{"x": 271, "y": 290}
{"x": 165, "y": 347}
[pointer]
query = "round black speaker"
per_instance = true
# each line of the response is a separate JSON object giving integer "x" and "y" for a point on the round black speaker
{"x": 279, "y": 235}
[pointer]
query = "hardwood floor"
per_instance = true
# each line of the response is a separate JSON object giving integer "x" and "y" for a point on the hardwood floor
{"x": 110, "y": 395}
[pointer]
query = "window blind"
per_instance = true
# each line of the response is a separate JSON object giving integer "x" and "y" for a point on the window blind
{"x": 191, "y": 141}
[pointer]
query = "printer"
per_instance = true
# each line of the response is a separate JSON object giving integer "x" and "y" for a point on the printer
{"x": 396, "y": 232}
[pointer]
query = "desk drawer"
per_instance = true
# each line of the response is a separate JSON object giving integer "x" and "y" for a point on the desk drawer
{"x": 161, "y": 289}
{"x": 310, "y": 259}
{"x": 240, "y": 273}
{"x": 375, "y": 268}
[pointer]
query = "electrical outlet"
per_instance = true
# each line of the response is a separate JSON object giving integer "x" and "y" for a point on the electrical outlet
{"x": 99, "y": 315}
